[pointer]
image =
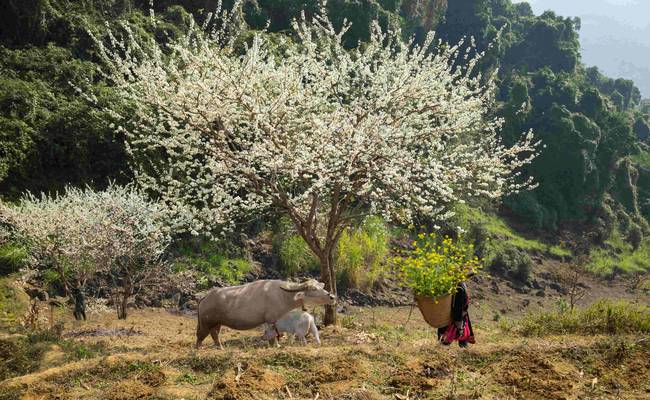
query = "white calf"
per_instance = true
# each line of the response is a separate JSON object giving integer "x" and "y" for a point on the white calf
{"x": 298, "y": 323}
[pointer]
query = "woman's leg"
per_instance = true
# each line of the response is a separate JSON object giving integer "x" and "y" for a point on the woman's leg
{"x": 458, "y": 312}
{"x": 441, "y": 331}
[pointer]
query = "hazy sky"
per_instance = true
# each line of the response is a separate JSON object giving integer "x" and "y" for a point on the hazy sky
{"x": 615, "y": 35}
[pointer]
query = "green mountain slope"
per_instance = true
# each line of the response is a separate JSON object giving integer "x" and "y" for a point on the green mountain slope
{"x": 593, "y": 175}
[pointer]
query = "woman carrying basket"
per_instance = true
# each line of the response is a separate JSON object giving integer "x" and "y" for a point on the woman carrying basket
{"x": 460, "y": 327}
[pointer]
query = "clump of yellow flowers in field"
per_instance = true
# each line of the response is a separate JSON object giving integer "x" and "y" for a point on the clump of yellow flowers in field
{"x": 436, "y": 265}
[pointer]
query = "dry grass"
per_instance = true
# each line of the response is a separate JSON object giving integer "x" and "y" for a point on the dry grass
{"x": 372, "y": 356}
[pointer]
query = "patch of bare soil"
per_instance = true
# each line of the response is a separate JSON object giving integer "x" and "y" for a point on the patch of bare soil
{"x": 532, "y": 375}
{"x": 245, "y": 381}
{"x": 129, "y": 389}
{"x": 104, "y": 332}
{"x": 52, "y": 356}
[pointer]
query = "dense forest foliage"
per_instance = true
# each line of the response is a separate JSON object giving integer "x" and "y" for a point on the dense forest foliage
{"x": 594, "y": 171}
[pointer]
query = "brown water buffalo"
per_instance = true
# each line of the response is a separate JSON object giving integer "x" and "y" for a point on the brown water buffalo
{"x": 253, "y": 304}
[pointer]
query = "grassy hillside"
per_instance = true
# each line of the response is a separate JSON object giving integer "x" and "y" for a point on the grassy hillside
{"x": 376, "y": 354}
{"x": 619, "y": 255}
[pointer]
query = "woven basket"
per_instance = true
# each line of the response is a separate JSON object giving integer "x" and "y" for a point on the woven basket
{"x": 436, "y": 311}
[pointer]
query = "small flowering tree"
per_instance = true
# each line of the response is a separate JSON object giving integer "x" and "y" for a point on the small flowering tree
{"x": 83, "y": 234}
{"x": 134, "y": 238}
{"x": 322, "y": 133}
{"x": 57, "y": 234}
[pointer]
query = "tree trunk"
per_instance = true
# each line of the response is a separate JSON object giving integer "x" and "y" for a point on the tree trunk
{"x": 122, "y": 304}
{"x": 79, "y": 305}
{"x": 64, "y": 281}
{"x": 329, "y": 279}
{"x": 79, "y": 300}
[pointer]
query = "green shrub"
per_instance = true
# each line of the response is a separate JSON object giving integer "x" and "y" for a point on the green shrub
{"x": 50, "y": 277}
{"x": 12, "y": 258}
{"x": 603, "y": 317}
{"x": 11, "y": 393}
{"x": 361, "y": 255}
{"x": 479, "y": 236}
{"x": 296, "y": 256}
{"x": 635, "y": 236}
{"x": 491, "y": 235}
{"x": 604, "y": 224}
{"x": 526, "y": 206}
{"x": 562, "y": 306}
{"x": 513, "y": 264}
{"x": 496, "y": 316}
{"x": 211, "y": 264}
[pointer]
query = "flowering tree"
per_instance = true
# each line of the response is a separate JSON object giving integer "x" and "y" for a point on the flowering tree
{"x": 134, "y": 238}
{"x": 323, "y": 133}
{"x": 82, "y": 234}
{"x": 56, "y": 232}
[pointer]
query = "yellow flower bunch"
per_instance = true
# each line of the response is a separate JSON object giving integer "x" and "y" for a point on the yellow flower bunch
{"x": 436, "y": 265}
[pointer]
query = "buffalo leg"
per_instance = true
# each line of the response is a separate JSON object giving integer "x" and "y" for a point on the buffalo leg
{"x": 201, "y": 333}
{"x": 214, "y": 332}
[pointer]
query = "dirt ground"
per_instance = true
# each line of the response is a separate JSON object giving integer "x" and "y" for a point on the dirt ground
{"x": 374, "y": 354}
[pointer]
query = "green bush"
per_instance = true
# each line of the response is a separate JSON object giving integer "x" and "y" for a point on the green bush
{"x": 12, "y": 258}
{"x": 527, "y": 207}
{"x": 604, "y": 224}
{"x": 513, "y": 264}
{"x": 296, "y": 256}
{"x": 211, "y": 264}
{"x": 635, "y": 236}
{"x": 479, "y": 236}
{"x": 361, "y": 255}
{"x": 603, "y": 317}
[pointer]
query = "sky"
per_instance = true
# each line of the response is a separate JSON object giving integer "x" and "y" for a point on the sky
{"x": 615, "y": 35}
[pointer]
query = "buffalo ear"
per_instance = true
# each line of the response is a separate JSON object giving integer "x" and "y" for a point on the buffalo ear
{"x": 299, "y": 296}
